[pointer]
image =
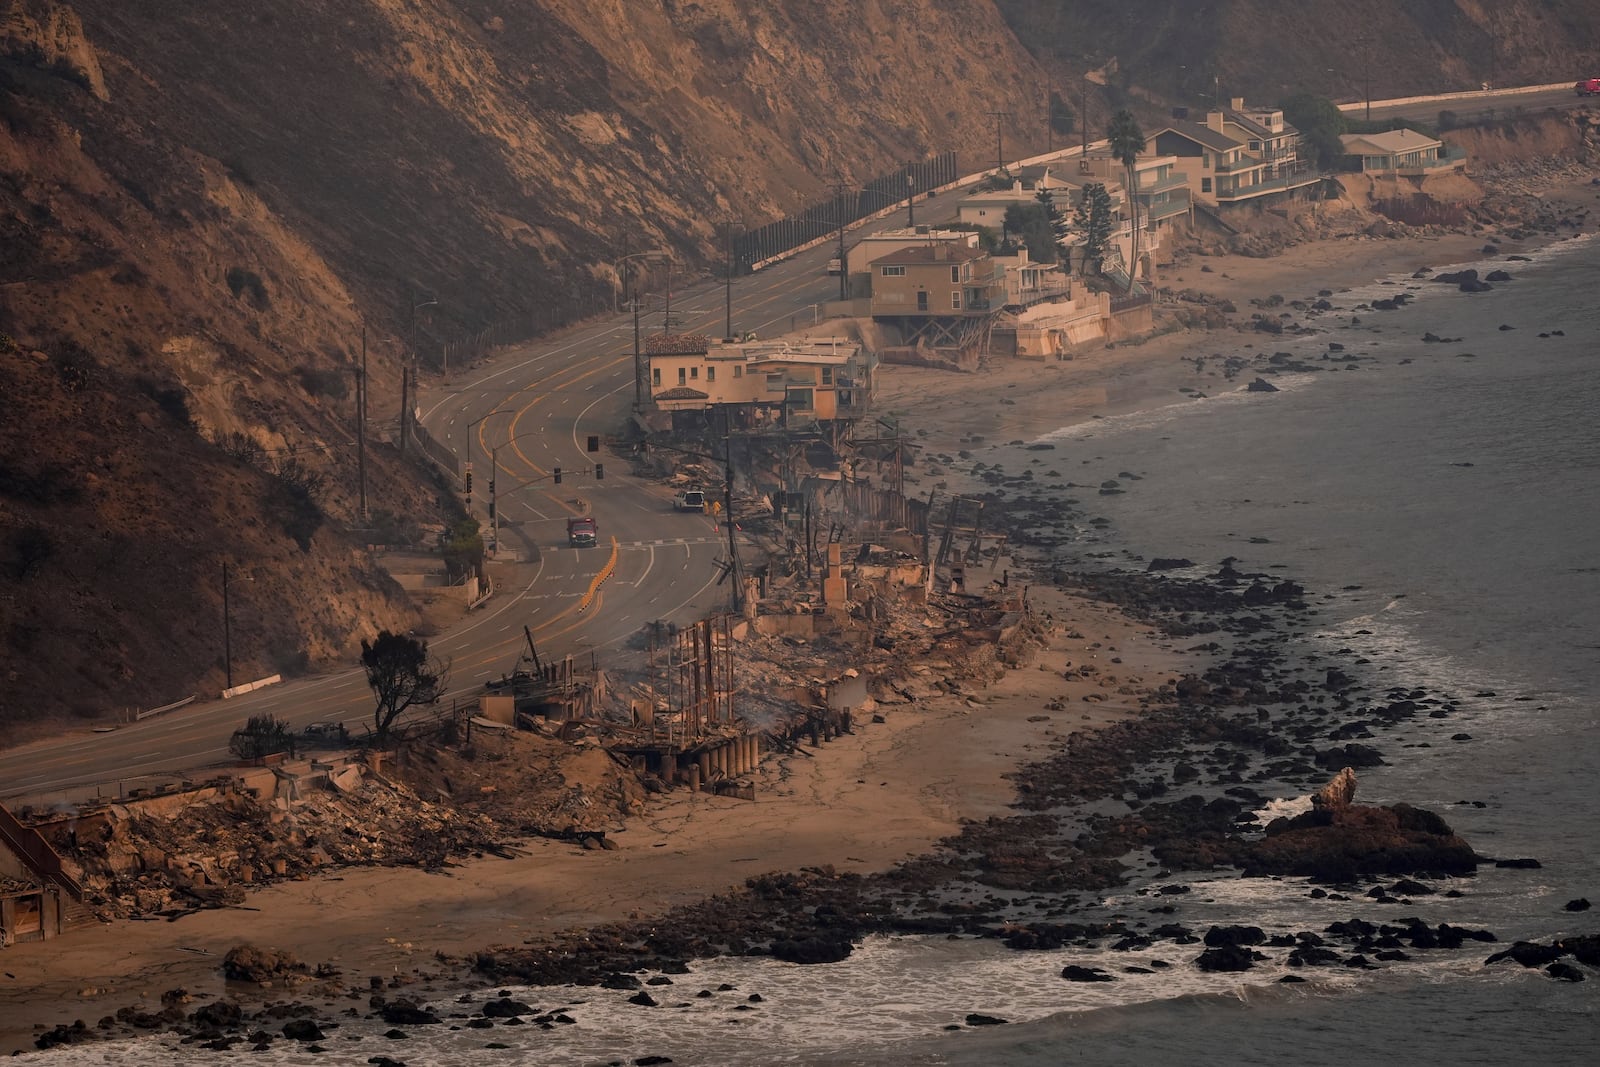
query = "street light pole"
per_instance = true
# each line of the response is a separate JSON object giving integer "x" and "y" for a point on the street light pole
{"x": 727, "y": 270}
{"x": 361, "y": 423}
{"x": 227, "y": 629}
{"x": 470, "y": 427}
{"x": 911, "y": 199}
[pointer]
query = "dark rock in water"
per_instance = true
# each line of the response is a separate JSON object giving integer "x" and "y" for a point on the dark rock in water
{"x": 1337, "y": 679}
{"x": 1162, "y": 563}
{"x": 1522, "y": 864}
{"x": 974, "y": 1019}
{"x": 397, "y": 1035}
{"x": 618, "y": 980}
{"x": 1261, "y": 385}
{"x": 1430, "y": 337}
{"x": 407, "y": 1013}
{"x": 1497, "y": 276}
{"x": 385, "y": 1061}
{"x": 302, "y": 1030}
{"x": 1585, "y": 948}
{"x": 1073, "y": 973}
{"x": 223, "y": 1014}
{"x": 506, "y": 1008}
{"x": 1312, "y": 956}
{"x": 1405, "y": 887}
{"x": 1351, "y": 755}
{"x": 643, "y": 999}
{"x": 1227, "y": 958}
{"x": 1291, "y": 978}
{"x": 1457, "y": 277}
{"x": 1504, "y": 327}
{"x": 1529, "y": 954}
{"x": 1339, "y": 845}
{"x": 651, "y": 1061}
{"x": 1581, "y": 904}
{"x": 1564, "y": 972}
{"x": 1224, "y": 936}
{"x": 1475, "y": 287}
{"x": 812, "y": 950}
{"x": 1335, "y": 346}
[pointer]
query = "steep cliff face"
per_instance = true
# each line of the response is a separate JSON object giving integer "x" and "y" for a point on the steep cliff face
{"x": 202, "y": 204}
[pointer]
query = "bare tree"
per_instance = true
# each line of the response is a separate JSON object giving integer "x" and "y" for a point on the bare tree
{"x": 402, "y": 675}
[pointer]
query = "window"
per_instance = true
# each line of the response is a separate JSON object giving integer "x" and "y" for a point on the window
{"x": 1205, "y": 185}
{"x": 892, "y": 272}
{"x": 1205, "y": 160}
{"x": 922, "y": 300}
{"x": 683, "y": 376}
{"x": 798, "y": 399}
{"x": 655, "y": 376}
{"x": 738, "y": 371}
{"x": 711, "y": 374}
{"x": 955, "y": 299}
{"x": 694, "y": 372}
{"x": 955, "y": 274}
{"x": 827, "y": 375}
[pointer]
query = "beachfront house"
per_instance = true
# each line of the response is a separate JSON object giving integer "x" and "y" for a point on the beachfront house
{"x": 1399, "y": 153}
{"x": 1240, "y": 156}
{"x": 822, "y": 380}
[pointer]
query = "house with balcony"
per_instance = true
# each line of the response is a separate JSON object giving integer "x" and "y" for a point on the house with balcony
{"x": 873, "y": 245}
{"x": 938, "y": 296}
{"x": 1238, "y": 157}
{"x": 779, "y": 381}
{"x": 1026, "y": 283}
{"x": 1399, "y": 153}
{"x": 1162, "y": 191}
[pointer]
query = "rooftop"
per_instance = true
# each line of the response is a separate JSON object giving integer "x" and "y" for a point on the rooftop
{"x": 943, "y": 252}
{"x": 1389, "y": 141}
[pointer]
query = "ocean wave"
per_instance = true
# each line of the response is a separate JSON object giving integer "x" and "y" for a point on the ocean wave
{"x": 1152, "y": 418}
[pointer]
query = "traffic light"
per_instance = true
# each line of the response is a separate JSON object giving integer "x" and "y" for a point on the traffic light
{"x": 594, "y": 442}
{"x": 469, "y": 485}
{"x": 599, "y": 472}
{"x": 557, "y": 473}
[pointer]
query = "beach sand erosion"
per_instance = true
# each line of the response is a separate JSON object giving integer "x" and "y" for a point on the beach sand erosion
{"x": 865, "y": 802}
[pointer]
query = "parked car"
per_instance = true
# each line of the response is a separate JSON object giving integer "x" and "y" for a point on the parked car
{"x": 1588, "y": 87}
{"x": 690, "y": 500}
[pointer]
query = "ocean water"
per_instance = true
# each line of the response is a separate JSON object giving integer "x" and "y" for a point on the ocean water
{"x": 1440, "y": 501}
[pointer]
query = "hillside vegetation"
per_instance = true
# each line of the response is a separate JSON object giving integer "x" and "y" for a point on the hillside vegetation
{"x": 204, "y": 207}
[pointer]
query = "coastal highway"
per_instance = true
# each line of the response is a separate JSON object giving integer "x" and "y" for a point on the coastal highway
{"x": 536, "y": 404}
{"x": 1494, "y": 103}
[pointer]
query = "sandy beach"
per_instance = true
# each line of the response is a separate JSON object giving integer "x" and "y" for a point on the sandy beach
{"x": 862, "y": 802}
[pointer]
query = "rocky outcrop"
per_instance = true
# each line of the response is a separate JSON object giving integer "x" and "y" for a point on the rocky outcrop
{"x": 1338, "y": 844}
{"x": 50, "y": 37}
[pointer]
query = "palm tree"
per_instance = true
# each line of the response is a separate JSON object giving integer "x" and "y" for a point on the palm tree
{"x": 1126, "y": 141}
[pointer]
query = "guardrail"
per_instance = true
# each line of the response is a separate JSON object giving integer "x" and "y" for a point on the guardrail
{"x": 251, "y": 687}
{"x": 1444, "y": 98}
{"x": 140, "y": 716}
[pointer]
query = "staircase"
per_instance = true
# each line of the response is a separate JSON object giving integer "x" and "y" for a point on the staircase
{"x": 42, "y": 863}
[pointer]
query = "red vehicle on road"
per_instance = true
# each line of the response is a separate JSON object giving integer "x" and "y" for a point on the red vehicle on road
{"x": 1588, "y": 87}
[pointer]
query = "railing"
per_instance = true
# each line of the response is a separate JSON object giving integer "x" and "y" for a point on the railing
{"x": 819, "y": 219}
{"x": 1270, "y": 185}
{"x": 1128, "y": 301}
{"x": 36, "y": 853}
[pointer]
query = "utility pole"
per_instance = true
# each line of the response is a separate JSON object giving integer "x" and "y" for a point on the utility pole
{"x": 638, "y": 365}
{"x": 227, "y": 629}
{"x": 911, "y": 199}
{"x": 361, "y": 423}
{"x": 727, "y": 509}
{"x": 405, "y": 407}
{"x": 999, "y": 140}
{"x": 844, "y": 272}
{"x": 727, "y": 270}
{"x": 1083, "y": 114}
{"x": 1050, "y": 117}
